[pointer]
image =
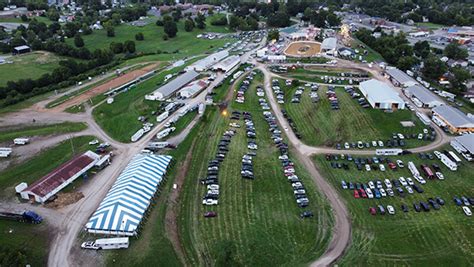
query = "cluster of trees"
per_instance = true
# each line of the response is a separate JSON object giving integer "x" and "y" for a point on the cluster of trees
{"x": 321, "y": 18}
{"x": 126, "y": 47}
{"x": 170, "y": 25}
{"x": 247, "y": 23}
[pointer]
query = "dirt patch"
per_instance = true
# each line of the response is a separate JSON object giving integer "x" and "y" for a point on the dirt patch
{"x": 64, "y": 199}
{"x": 171, "y": 217}
{"x": 303, "y": 49}
{"x": 122, "y": 79}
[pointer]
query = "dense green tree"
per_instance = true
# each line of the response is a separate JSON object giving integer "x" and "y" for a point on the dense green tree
{"x": 170, "y": 28}
{"x": 110, "y": 31}
{"x": 78, "y": 41}
{"x": 455, "y": 51}
{"x": 201, "y": 21}
{"x": 273, "y": 35}
{"x": 129, "y": 46}
{"x": 458, "y": 78}
{"x": 433, "y": 68}
{"x": 116, "y": 47}
{"x": 422, "y": 49}
{"x": 189, "y": 25}
{"x": 139, "y": 36}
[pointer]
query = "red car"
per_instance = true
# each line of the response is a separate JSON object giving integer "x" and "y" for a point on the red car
{"x": 362, "y": 193}
{"x": 372, "y": 210}
{"x": 210, "y": 214}
{"x": 356, "y": 194}
{"x": 392, "y": 166}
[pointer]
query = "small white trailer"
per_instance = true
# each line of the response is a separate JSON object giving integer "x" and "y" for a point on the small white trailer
{"x": 137, "y": 135}
{"x": 107, "y": 243}
{"x": 449, "y": 163}
{"x": 388, "y": 152}
{"x": 5, "y": 152}
{"x": 21, "y": 141}
{"x": 162, "y": 116}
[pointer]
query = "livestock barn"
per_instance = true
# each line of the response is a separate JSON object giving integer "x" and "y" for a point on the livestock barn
{"x": 381, "y": 96}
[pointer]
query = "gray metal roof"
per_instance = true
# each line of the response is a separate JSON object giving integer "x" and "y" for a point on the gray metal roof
{"x": 329, "y": 43}
{"x": 400, "y": 76}
{"x": 454, "y": 116}
{"x": 424, "y": 95}
{"x": 379, "y": 92}
{"x": 467, "y": 141}
{"x": 177, "y": 83}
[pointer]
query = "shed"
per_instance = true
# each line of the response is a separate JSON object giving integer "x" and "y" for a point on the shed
{"x": 22, "y": 49}
{"x": 227, "y": 64}
{"x": 380, "y": 95}
{"x": 400, "y": 78}
{"x": 329, "y": 45}
{"x": 425, "y": 96}
{"x": 173, "y": 86}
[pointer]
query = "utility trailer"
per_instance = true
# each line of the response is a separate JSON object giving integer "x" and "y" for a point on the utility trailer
{"x": 27, "y": 216}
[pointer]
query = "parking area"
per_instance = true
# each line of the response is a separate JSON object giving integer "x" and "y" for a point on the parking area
{"x": 392, "y": 202}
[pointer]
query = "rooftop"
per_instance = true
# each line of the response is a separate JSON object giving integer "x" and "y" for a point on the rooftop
{"x": 467, "y": 141}
{"x": 329, "y": 43}
{"x": 423, "y": 94}
{"x": 177, "y": 83}
{"x": 454, "y": 116}
{"x": 379, "y": 91}
{"x": 400, "y": 76}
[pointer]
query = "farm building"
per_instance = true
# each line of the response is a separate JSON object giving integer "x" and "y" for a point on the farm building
{"x": 193, "y": 88}
{"x": 329, "y": 46}
{"x": 173, "y": 86}
{"x": 400, "y": 78}
{"x": 123, "y": 208}
{"x": 466, "y": 142}
{"x": 227, "y": 64}
{"x": 21, "y": 50}
{"x": 381, "y": 96}
{"x": 455, "y": 120}
{"x": 426, "y": 98}
{"x": 61, "y": 177}
{"x": 207, "y": 62}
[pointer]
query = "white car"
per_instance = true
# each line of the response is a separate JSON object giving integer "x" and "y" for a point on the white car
{"x": 213, "y": 187}
{"x": 210, "y": 202}
{"x": 346, "y": 145}
{"x": 388, "y": 184}
{"x": 410, "y": 181}
{"x": 283, "y": 157}
{"x": 381, "y": 167}
{"x": 374, "y": 143}
{"x": 290, "y": 170}
{"x": 369, "y": 193}
{"x": 419, "y": 179}
{"x": 403, "y": 181}
{"x": 90, "y": 245}
{"x": 390, "y": 192}
{"x": 296, "y": 184}
{"x": 440, "y": 175}
{"x": 409, "y": 189}
{"x": 367, "y": 167}
{"x": 382, "y": 192}
{"x": 467, "y": 211}
{"x": 252, "y": 146}
{"x": 425, "y": 131}
{"x": 401, "y": 136}
{"x": 400, "y": 163}
{"x": 390, "y": 210}
{"x": 371, "y": 185}
{"x": 93, "y": 142}
{"x": 380, "y": 143}
{"x": 420, "y": 136}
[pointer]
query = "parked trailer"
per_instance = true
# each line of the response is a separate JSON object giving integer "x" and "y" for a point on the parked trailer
{"x": 107, "y": 243}
{"x": 137, "y": 135}
{"x": 449, "y": 163}
{"x": 27, "y": 216}
{"x": 170, "y": 106}
{"x": 458, "y": 147}
{"x": 21, "y": 141}
{"x": 162, "y": 116}
{"x": 157, "y": 145}
{"x": 388, "y": 152}
{"x": 5, "y": 152}
{"x": 423, "y": 118}
{"x": 414, "y": 171}
{"x": 428, "y": 172}
{"x": 454, "y": 156}
{"x": 165, "y": 132}
{"x": 201, "y": 108}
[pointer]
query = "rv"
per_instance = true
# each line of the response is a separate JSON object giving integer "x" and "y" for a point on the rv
{"x": 165, "y": 132}
{"x": 157, "y": 145}
{"x": 5, "y": 152}
{"x": 414, "y": 171}
{"x": 201, "y": 108}
{"x": 388, "y": 152}
{"x": 450, "y": 164}
{"x": 21, "y": 141}
{"x": 170, "y": 106}
{"x": 106, "y": 243}
{"x": 454, "y": 157}
{"x": 162, "y": 116}
{"x": 137, "y": 135}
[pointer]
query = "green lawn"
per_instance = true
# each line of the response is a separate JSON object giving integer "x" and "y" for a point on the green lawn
{"x": 320, "y": 125}
{"x": 429, "y": 25}
{"x": 258, "y": 221}
{"x": 372, "y": 54}
{"x": 40, "y": 130}
{"x": 31, "y": 65}
{"x": 22, "y": 244}
{"x": 183, "y": 122}
{"x": 435, "y": 238}
{"x": 120, "y": 119}
{"x": 185, "y": 43}
{"x": 42, "y": 164}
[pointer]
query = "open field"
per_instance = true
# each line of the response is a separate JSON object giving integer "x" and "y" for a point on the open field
{"x": 23, "y": 243}
{"x": 303, "y": 49}
{"x": 184, "y": 44}
{"x": 320, "y": 125}
{"x": 42, "y": 164}
{"x": 40, "y": 130}
{"x": 372, "y": 54}
{"x": 429, "y": 25}
{"x": 28, "y": 66}
{"x": 435, "y": 238}
{"x": 258, "y": 221}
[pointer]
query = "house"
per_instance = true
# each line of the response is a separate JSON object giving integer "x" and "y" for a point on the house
{"x": 400, "y": 78}
{"x": 381, "y": 96}
{"x": 227, "y": 64}
{"x": 455, "y": 120}
{"x": 329, "y": 46}
{"x": 21, "y": 50}
{"x": 173, "y": 86}
{"x": 425, "y": 97}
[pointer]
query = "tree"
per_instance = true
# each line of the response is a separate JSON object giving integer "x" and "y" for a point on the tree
{"x": 170, "y": 28}
{"x": 139, "y": 36}
{"x": 455, "y": 51}
{"x": 433, "y": 68}
{"x": 273, "y": 35}
{"x": 110, "y": 31}
{"x": 201, "y": 21}
{"x": 177, "y": 15}
{"x": 278, "y": 19}
{"x": 406, "y": 62}
{"x": 189, "y": 25}
{"x": 24, "y": 18}
{"x": 422, "y": 49}
{"x": 159, "y": 23}
{"x": 129, "y": 46}
{"x": 78, "y": 41}
{"x": 52, "y": 14}
{"x": 116, "y": 48}
{"x": 459, "y": 77}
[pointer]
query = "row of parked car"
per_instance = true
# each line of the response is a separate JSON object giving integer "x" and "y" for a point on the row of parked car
{"x": 279, "y": 94}
{"x": 291, "y": 123}
{"x": 434, "y": 203}
{"x": 289, "y": 171}
{"x": 375, "y": 189}
{"x": 332, "y": 97}
{"x": 464, "y": 202}
{"x": 240, "y": 97}
{"x": 247, "y": 163}
{"x": 211, "y": 181}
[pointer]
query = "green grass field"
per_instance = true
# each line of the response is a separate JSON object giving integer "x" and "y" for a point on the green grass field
{"x": 40, "y": 130}
{"x": 258, "y": 221}
{"x": 320, "y": 125}
{"x": 23, "y": 243}
{"x": 429, "y": 25}
{"x": 41, "y": 164}
{"x": 182, "y": 123}
{"x": 186, "y": 43}
{"x": 435, "y": 238}
{"x": 372, "y": 54}
{"x": 31, "y": 65}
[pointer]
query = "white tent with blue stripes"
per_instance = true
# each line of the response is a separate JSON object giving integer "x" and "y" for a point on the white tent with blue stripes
{"x": 122, "y": 210}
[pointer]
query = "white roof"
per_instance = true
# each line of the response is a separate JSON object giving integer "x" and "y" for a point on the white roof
{"x": 329, "y": 43}
{"x": 115, "y": 240}
{"x": 400, "y": 76}
{"x": 467, "y": 141}
{"x": 21, "y": 47}
{"x": 424, "y": 95}
{"x": 454, "y": 116}
{"x": 228, "y": 62}
{"x": 177, "y": 83}
{"x": 210, "y": 60}
{"x": 379, "y": 92}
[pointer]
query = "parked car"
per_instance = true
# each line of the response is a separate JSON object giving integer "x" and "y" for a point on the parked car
{"x": 372, "y": 211}
{"x": 381, "y": 209}
{"x": 416, "y": 207}
{"x": 440, "y": 201}
{"x": 467, "y": 211}
{"x": 404, "y": 208}
{"x": 390, "y": 210}
{"x": 210, "y": 214}
{"x": 400, "y": 164}
{"x": 306, "y": 214}
{"x": 457, "y": 201}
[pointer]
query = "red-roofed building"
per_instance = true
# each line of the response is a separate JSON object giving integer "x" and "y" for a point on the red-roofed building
{"x": 61, "y": 177}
